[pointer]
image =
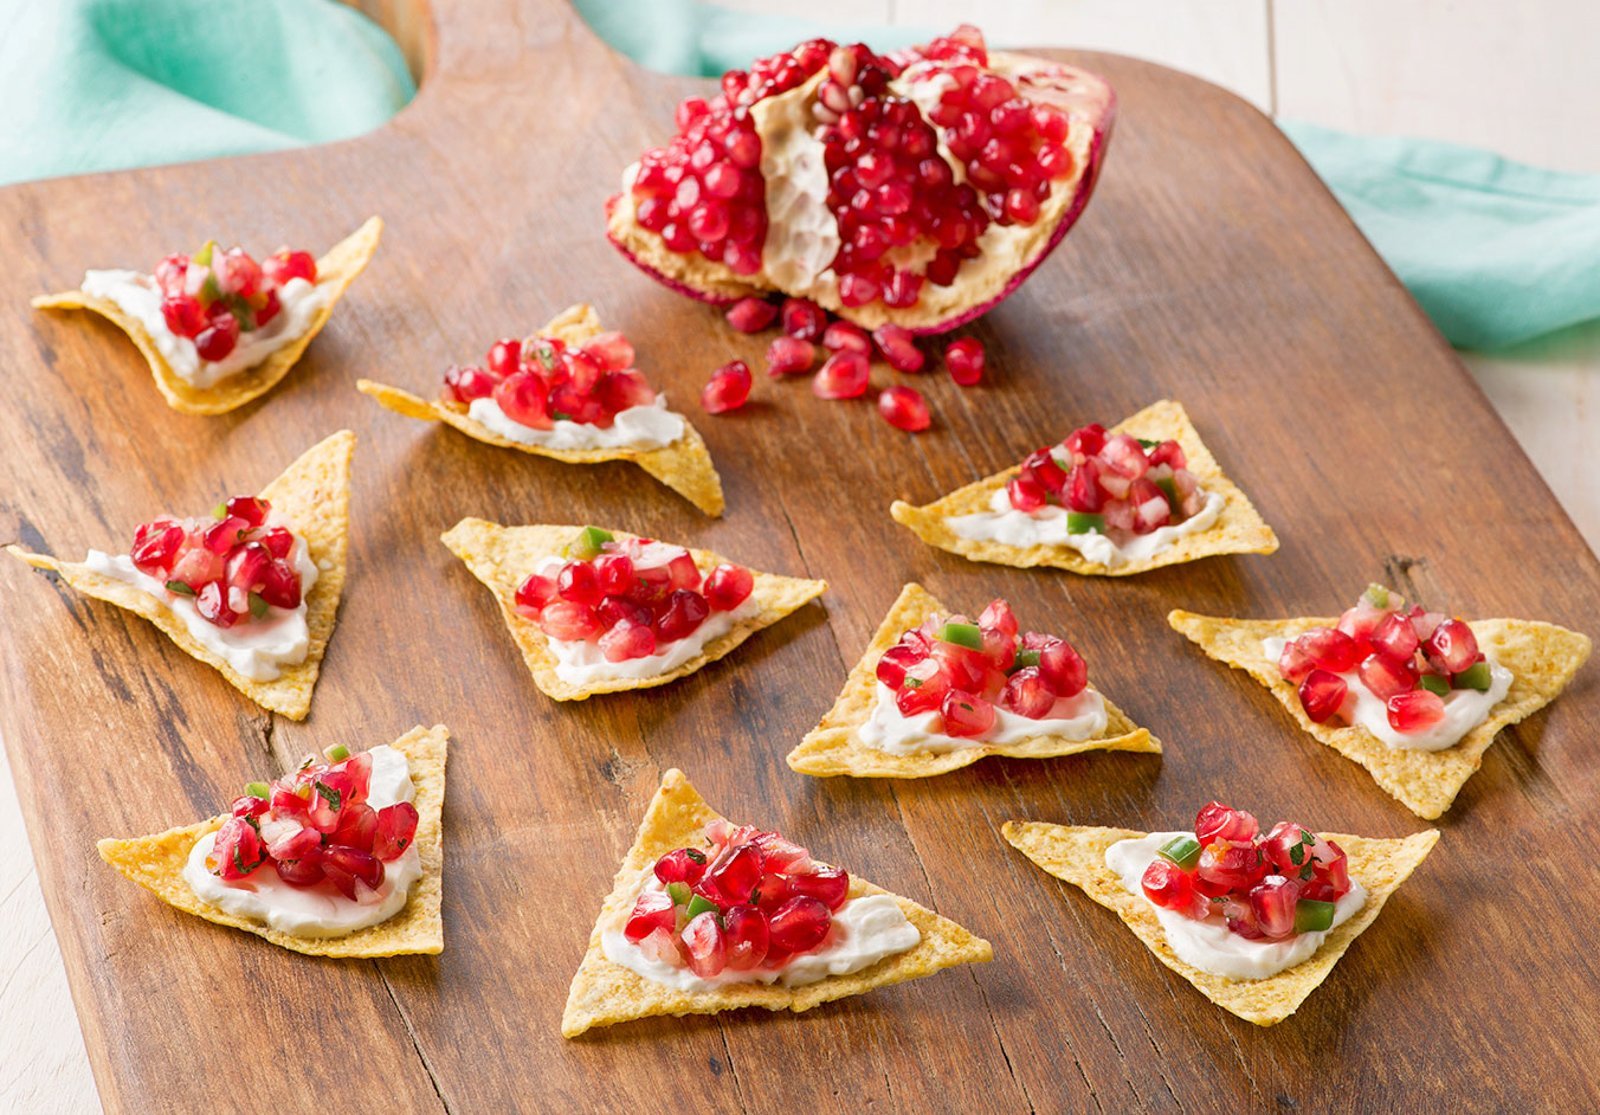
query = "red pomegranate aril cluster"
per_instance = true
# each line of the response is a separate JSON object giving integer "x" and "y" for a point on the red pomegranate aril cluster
{"x": 233, "y": 565}
{"x": 1109, "y": 482}
{"x": 627, "y": 608}
{"x": 1265, "y": 887}
{"x": 1409, "y": 658}
{"x": 964, "y": 670}
{"x": 214, "y": 296}
{"x": 746, "y": 900}
{"x": 543, "y": 380}
{"x": 314, "y": 827}
{"x": 727, "y": 389}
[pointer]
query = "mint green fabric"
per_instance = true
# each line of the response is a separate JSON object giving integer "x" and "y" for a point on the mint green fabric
{"x": 99, "y": 84}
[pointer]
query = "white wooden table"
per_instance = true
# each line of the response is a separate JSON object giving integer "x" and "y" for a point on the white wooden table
{"x": 1421, "y": 67}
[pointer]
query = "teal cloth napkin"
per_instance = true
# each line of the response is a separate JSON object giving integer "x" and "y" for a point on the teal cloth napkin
{"x": 98, "y": 84}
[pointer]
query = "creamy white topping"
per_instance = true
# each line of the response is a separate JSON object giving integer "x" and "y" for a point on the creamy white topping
{"x": 1048, "y": 527}
{"x": 258, "y": 648}
{"x": 318, "y": 911}
{"x": 1464, "y": 709}
{"x": 650, "y": 426}
{"x": 887, "y": 729}
{"x": 138, "y": 296}
{"x": 1209, "y": 944}
{"x": 865, "y": 930}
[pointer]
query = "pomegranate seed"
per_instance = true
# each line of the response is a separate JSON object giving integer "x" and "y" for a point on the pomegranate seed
{"x": 728, "y": 586}
{"x": 303, "y": 872}
{"x": 1062, "y": 667}
{"x": 534, "y": 593}
{"x": 1124, "y": 455}
{"x": 705, "y": 950}
{"x": 237, "y": 849}
{"x": 1415, "y": 711}
{"x": 727, "y": 389}
{"x": 523, "y": 399}
{"x": 652, "y": 910}
{"x": 771, "y": 892}
{"x": 904, "y": 408}
{"x": 280, "y": 585}
{"x": 1294, "y": 663}
{"x": 505, "y": 358}
{"x": 569, "y": 622}
{"x": 1454, "y": 645}
{"x": 613, "y": 573}
{"x": 686, "y": 610}
{"x": 1226, "y": 866}
{"x": 1331, "y": 650}
{"x": 844, "y": 375}
{"x": 183, "y": 314}
{"x": 682, "y": 572}
{"x": 219, "y": 337}
{"x": 929, "y": 689}
{"x": 1387, "y": 677}
{"x": 1395, "y": 638}
{"x": 745, "y": 936}
{"x": 284, "y": 266}
{"x": 1168, "y": 453}
{"x": 611, "y": 349}
{"x": 800, "y": 924}
{"x": 153, "y": 553}
{"x": 790, "y": 355}
{"x": 1041, "y": 468}
{"x": 1168, "y": 885}
{"x": 578, "y": 583}
{"x": 842, "y": 335}
{"x": 1026, "y": 493}
{"x": 803, "y": 319}
{"x": 828, "y": 885}
{"x": 358, "y": 824}
{"x": 685, "y": 865}
{"x": 752, "y": 315}
{"x": 1086, "y": 441}
{"x": 892, "y": 665}
{"x": 212, "y": 605}
{"x": 965, "y": 359}
{"x": 1322, "y": 694}
{"x": 396, "y": 826}
{"x": 1273, "y": 901}
{"x": 462, "y": 385}
{"x": 1291, "y": 849}
{"x": 734, "y": 875}
{"x": 966, "y": 715}
{"x": 1150, "y": 507}
{"x": 364, "y": 867}
{"x": 1216, "y": 821}
{"x": 628, "y": 640}
{"x": 964, "y": 667}
{"x": 1026, "y": 693}
{"x": 899, "y": 348}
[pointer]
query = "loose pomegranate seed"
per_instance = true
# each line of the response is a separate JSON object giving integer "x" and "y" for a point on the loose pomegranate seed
{"x": 577, "y": 582}
{"x": 1168, "y": 886}
{"x": 904, "y": 408}
{"x": 1322, "y": 695}
{"x": 1395, "y": 638}
{"x": 1216, "y": 821}
{"x": 727, "y": 389}
{"x": 842, "y": 335}
{"x": 1386, "y": 677}
{"x": 651, "y": 911}
{"x": 966, "y": 715}
{"x": 1060, "y": 664}
{"x": 505, "y": 358}
{"x": 899, "y": 348}
{"x": 752, "y": 315}
{"x": 798, "y": 925}
{"x": 789, "y": 356}
{"x": 965, "y": 359}
{"x": 303, "y": 872}
{"x": 1416, "y": 711}
{"x": 569, "y": 622}
{"x": 1454, "y": 645}
{"x": 1026, "y": 693}
{"x": 827, "y": 885}
{"x": 524, "y": 399}
{"x": 733, "y": 876}
{"x": 1330, "y": 649}
{"x": 686, "y": 610}
{"x": 364, "y": 867}
{"x": 280, "y": 585}
{"x": 745, "y": 937}
{"x": 284, "y": 265}
{"x": 182, "y": 314}
{"x": 685, "y": 865}
{"x": 728, "y": 586}
{"x": 612, "y": 349}
{"x": 1273, "y": 901}
{"x": 844, "y": 375}
{"x": 218, "y": 339}
{"x": 1026, "y": 494}
{"x": 803, "y": 319}
{"x": 704, "y": 947}
{"x": 396, "y": 827}
{"x": 153, "y": 553}
{"x": 628, "y": 640}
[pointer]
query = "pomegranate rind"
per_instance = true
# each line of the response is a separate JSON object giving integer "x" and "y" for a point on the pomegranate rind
{"x": 1542, "y": 658}
{"x": 502, "y": 557}
{"x": 604, "y": 993}
{"x": 1012, "y": 254}
{"x": 834, "y": 746}
{"x": 1239, "y": 529}
{"x": 156, "y": 863}
{"x": 684, "y": 466}
{"x": 1077, "y": 854}
{"x": 335, "y": 272}
{"x": 313, "y": 494}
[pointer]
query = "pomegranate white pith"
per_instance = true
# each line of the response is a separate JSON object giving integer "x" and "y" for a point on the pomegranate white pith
{"x": 916, "y": 188}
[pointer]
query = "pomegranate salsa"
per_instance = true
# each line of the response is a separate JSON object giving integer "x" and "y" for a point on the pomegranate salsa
{"x": 1414, "y": 663}
{"x": 1108, "y": 483}
{"x": 214, "y": 296}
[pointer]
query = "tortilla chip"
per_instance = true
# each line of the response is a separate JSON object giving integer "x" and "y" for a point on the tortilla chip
{"x": 1077, "y": 854}
{"x": 832, "y": 747}
{"x": 314, "y": 495}
{"x": 156, "y": 863}
{"x": 1238, "y": 529}
{"x": 604, "y": 993}
{"x": 1542, "y": 656}
{"x": 502, "y": 557}
{"x": 335, "y": 272}
{"x": 684, "y": 466}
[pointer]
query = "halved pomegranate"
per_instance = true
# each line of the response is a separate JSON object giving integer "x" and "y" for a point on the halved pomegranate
{"x": 917, "y": 188}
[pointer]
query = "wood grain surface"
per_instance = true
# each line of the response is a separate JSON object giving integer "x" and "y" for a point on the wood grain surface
{"x": 1212, "y": 268}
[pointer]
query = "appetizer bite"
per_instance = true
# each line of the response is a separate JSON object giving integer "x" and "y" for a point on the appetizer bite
{"x": 1144, "y": 494}
{"x": 220, "y": 328}
{"x": 707, "y": 916}
{"x": 936, "y": 691}
{"x": 340, "y": 857}
{"x": 1415, "y": 696}
{"x": 252, "y": 589}
{"x": 571, "y": 393}
{"x": 1256, "y": 922}
{"x": 918, "y": 187}
{"x": 601, "y": 611}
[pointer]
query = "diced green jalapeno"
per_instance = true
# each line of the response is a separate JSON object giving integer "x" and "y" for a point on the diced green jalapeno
{"x": 961, "y": 634}
{"x": 1475, "y": 676}
{"x": 220, "y": 511}
{"x": 1181, "y": 850}
{"x": 1170, "y": 490}
{"x": 1026, "y": 658}
{"x": 699, "y": 904}
{"x": 338, "y": 753}
{"x": 258, "y": 790}
{"x": 1381, "y": 597}
{"x": 1311, "y": 916}
{"x": 1082, "y": 522}
{"x": 258, "y": 605}
{"x": 180, "y": 587}
{"x": 679, "y": 893}
{"x": 1147, "y": 444}
{"x": 590, "y": 540}
{"x": 1434, "y": 683}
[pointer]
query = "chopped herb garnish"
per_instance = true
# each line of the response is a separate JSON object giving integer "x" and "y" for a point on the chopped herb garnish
{"x": 546, "y": 355}
{"x": 1147, "y": 443}
{"x": 258, "y": 605}
{"x": 561, "y": 416}
{"x": 180, "y": 587}
{"x": 1297, "y": 854}
{"x": 329, "y": 794}
{"x": 1306, "y": 872}
{"x": 695, "y": 854}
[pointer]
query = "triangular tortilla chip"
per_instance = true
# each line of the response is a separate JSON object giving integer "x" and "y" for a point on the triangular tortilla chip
{"x": 314, "y": 495}
{"x": 502, "y": 557}
{"x": 156, "y": 863}
{"x": 684, "y": 466}
{"x": 1238, "y": 529}
{"x": 604, "y": 993}
{"x": 832, "y": 747}
{"x": 1541, "y": 656}
{"x": 1077, "y": 854}
{"x": 335, "y": 272}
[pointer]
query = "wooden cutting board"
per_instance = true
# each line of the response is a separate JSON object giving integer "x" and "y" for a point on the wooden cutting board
{"x": 1212, "y": 268}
